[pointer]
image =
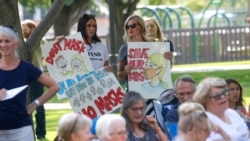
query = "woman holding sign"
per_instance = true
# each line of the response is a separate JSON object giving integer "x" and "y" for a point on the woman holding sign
{"x": 135, "y": 31}
{"x": 15, "y": 123}
{"x": 97, "y": 52}
{"x": 153, "y": 30}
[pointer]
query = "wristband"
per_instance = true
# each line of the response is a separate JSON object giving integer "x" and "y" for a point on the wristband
{"x": 37, "y": 102}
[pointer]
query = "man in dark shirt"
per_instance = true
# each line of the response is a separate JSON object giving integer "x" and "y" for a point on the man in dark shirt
{"x": 184, "y": 90}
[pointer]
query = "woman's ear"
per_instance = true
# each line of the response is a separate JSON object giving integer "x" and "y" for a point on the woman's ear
{"x": 17, "y": 44}
{"x": 73, "y": 136}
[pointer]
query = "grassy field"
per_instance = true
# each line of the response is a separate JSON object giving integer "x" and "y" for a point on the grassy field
{"x": 243, "y": 76}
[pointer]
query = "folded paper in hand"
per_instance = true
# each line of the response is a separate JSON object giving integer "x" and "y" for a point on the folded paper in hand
{"x": 13, "y": 92}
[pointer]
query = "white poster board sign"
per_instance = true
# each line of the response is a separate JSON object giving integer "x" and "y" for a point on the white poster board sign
{"x": 151, "y": 74}
{"x": 99, "y": 92}
{"x": 67, "y": 61}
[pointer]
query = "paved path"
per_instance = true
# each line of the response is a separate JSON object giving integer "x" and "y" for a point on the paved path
{"x": 57, "y": 106}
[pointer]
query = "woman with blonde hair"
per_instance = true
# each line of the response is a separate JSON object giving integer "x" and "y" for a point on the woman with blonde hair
{"x": 154, "y": 31}
{"x": 193, "y": 124}
{"x": 135, "y": 31}
{"x": 74, "y": 127}
{"x": 212, "y": 92}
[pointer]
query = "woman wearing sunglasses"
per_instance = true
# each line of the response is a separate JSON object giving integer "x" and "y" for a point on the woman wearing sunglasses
{"x": 212, "y": 93}
{"x": 135, "y": 31}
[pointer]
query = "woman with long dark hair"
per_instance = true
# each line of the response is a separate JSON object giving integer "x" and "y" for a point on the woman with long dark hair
{"x": 97, "y": 51}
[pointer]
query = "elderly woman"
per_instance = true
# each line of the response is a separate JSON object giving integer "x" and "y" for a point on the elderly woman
{"x": 74, "y": 127}
{"x": 212, "y": 94}
{"x": 15, "y": 123}
{"x": 140, "y": 128}
{"x": 111, "y": 127}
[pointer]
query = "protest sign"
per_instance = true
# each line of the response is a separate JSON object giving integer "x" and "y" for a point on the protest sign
{"x": 67, "y": 61}
{"x": 150, "y": 75}
{"x": 99, "y": 92}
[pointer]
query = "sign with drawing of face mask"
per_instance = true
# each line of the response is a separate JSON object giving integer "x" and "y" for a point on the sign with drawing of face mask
{"x": 150, "y": 74}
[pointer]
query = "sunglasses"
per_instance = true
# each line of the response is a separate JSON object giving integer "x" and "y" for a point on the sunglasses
{"x": 218, "y": 96}
{"x": 132, "y": 26}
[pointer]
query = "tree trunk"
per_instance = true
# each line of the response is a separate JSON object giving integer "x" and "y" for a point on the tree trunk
{"x": 122, "y": 11}
{"x": 69, "y": 16}
{"x": 10, "y": 17}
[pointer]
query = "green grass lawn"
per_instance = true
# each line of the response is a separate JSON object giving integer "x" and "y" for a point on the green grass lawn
{"x": 243, "y": 76}
{"x": 52, "y": 118}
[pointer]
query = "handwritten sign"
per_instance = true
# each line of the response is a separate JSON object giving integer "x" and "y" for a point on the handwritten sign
{"x": 67, "y": 61}
{"x": 151, "y": 71}
{"x": 97, "y": 93}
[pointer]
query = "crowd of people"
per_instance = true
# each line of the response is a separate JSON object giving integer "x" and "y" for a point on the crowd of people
{"x": 213, "y": 110}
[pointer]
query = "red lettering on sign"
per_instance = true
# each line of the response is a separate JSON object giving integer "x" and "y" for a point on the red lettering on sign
{"x": 112, "y": 99}
{"x": 90, "y": 111}
{"x": 53, "y": 52}
{"x": 136, "y": 76}
{"x": 73, "y": 44}
{"x": 137, "y": 64}
{"x": 138, "y": 53}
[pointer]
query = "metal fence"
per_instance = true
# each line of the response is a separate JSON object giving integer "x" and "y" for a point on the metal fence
{"x": 208, "y": 44}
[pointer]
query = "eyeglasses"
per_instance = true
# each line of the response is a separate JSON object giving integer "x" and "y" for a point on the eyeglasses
{"x": 132, "y": 26}
{"x": 218, "y": 95}
{"x": 137, "y": 109}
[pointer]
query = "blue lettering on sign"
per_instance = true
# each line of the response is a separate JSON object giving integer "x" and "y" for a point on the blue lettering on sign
{"x": 100, "y": 74}
{"x": 80, "y": 86}
{"x": 90, "y": 80}
{"x": 70, "y": 92}
{"x": 62, "y": 87}
{"x": 81, "y": 77}
{"x": 65, "y": 84}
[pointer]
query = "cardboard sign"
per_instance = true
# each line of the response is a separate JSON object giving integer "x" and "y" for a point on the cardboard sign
{"x": 99, "y": 92}
{"x": 67, "y": 61}
{"x": 150, "y": 75}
